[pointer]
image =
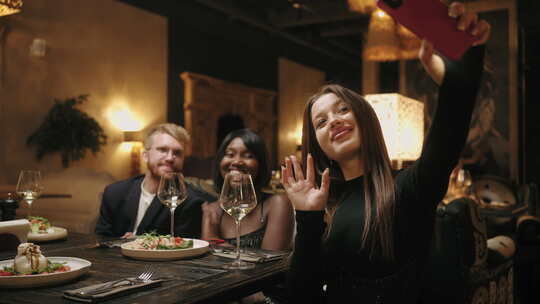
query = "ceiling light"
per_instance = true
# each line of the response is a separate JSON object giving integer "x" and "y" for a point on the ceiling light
{"x": 8, "y": 7}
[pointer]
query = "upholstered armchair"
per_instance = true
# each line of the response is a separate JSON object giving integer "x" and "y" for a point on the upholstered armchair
{"x": 462, "y": 268}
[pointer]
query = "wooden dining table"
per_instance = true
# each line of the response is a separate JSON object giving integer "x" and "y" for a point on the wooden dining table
{"x": 195, "y": 280}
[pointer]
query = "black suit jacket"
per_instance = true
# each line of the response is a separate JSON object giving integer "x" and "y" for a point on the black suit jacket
{"x": 120, "y": 204}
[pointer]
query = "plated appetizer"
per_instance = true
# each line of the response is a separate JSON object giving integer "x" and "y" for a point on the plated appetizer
{"x": 30, "y": 261}
{"x": 153, "y": 241}
{"x": 39, "y": 224}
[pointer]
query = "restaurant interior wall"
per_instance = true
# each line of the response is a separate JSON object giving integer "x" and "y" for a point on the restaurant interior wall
{"x": 114, "y": 52}
{"x": 293, "y": 92}
{"x": 206, "y": 42}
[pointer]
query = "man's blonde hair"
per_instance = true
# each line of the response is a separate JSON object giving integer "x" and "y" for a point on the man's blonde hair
{"x": 176, "y": 131}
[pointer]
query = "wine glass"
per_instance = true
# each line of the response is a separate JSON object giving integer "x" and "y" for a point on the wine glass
{"x": 464, "y": 182}
{"x": 172, "y": 192}
{"x": 29, "y": 187}
{"x": 275, "y": 180}
{"x": 238, "y": 198}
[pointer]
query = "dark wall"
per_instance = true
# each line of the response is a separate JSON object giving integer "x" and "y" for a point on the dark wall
{"x": 205, "y": 41}
{"x": 193, "y": 50}
{"x": 529, "y": 68}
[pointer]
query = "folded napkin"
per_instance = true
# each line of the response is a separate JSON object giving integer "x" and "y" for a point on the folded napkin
{"x": 254, "y": 256}
{"x": 18, "y": 228}
{"x": 120, "y": 287}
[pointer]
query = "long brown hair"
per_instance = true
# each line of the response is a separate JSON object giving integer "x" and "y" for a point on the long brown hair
{"x": 378, "y": 179}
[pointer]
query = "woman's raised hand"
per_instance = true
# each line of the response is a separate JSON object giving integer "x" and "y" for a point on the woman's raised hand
{"x": 467, "y": 21}
{"x": 303, "y": 192}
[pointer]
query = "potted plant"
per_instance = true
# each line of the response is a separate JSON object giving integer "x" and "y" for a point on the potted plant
{"x": 69, "y": 131}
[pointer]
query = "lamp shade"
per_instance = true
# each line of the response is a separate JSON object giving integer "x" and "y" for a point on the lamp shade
{"x": 402, "y": 123}
{"x": 8, "y": 7}
{"x": 382, "y": 43}
{"x": 388, "y": 40}
{"x": 362, "y": 6}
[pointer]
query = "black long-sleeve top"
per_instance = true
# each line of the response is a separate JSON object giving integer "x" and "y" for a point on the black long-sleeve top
{"x": 339, "y": 262}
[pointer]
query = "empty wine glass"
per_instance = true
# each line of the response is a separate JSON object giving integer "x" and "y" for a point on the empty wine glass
{"x": 29, "y": 187}
{"x": 238, "y": 198}
{"x": 172, "y": 192}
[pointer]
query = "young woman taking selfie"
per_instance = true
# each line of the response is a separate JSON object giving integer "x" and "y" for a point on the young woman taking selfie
{"x": 363, "y": 229}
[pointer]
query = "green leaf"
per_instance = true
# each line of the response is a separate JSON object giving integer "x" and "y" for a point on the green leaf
{"x": 68, "y": 131}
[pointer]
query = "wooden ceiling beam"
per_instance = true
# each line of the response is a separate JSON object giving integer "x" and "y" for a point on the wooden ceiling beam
{"x": 343, "y": 31}
{"x": 244, "y": 16}
{"x": 353, "y": 51}
{"x": 313, "y": 13}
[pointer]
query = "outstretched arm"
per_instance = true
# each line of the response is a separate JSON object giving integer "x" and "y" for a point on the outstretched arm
{"x": 434, "y": 64}
{"x": 460, "y": 81}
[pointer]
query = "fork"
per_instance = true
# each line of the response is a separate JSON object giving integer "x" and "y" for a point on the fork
{"x": 143, "y": 277}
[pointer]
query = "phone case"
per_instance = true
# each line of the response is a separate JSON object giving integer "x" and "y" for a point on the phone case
{"x": 429, "y": 19}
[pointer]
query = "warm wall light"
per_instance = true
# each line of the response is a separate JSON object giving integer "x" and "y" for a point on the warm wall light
{"x": 130, "y": 125}
{"x": 402, "y": 122}
{"x": 134, "y": 138}
{"x": 124, "y": 119}
{"x": 8, "y": 7}
{"x": 298, "y": 134}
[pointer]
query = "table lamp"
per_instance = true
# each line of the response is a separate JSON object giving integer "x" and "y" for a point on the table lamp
{"x": 402, "y": 123}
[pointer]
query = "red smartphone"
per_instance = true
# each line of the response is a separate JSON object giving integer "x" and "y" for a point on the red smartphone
{"x": 429, "y": 20}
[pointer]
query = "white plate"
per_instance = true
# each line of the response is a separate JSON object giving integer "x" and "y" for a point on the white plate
{"x": 57, "y": 233}
{"x": 199, "y": 247}
{"x": 78, "y": 268}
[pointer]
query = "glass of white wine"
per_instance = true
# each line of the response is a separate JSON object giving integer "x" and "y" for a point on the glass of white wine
{"x": 29, "y": 187}
{"x": 172, "y": 192}
{"x": 275, "y": 180}
{"x": 238, "y": 198}
{"x": 464, "y": 182}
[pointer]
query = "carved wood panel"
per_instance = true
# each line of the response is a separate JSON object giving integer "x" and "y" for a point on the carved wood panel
{"x": 206, "y": 99}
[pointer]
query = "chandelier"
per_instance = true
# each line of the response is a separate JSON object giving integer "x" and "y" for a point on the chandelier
{"x": 362, "y": 6}
{"x": 386, "y": 40}
{"x": 8, "y": 7}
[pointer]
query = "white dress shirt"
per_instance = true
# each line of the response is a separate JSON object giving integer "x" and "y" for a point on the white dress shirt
{"x": 144, "y": 202}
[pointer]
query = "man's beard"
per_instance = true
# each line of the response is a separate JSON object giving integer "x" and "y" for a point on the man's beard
{"x": 155, "y": 171}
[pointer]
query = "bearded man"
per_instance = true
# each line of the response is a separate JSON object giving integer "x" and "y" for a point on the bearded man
{"x": 131, "y": 207}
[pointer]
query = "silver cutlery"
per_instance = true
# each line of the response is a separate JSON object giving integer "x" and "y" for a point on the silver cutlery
{"x": 143, "y": 277}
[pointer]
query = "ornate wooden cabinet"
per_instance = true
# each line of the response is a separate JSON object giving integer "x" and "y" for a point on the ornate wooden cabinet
{"x": 206, "y": 99}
